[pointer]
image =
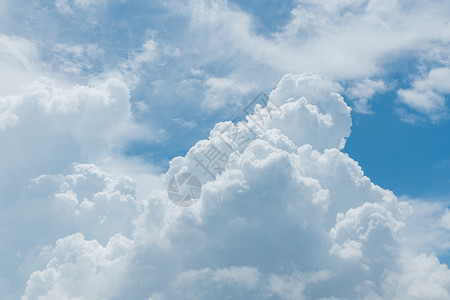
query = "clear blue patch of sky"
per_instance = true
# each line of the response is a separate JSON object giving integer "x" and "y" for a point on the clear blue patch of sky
{"x": 268, "y": 15}
{"x": 409, "y": 159}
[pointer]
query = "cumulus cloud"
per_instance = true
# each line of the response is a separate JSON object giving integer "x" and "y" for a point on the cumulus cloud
{"x": 87, "y": 200}
{"x": 74, "y": 124}
{"x": 283, "y": 213}
{"x": 428, "y": 232}
{"x": 421, "y": 277}
{"x": 45, "y": 129}
{"x": 101, "y": 269}
{"x": 289, "y": 217}
{"x": 321, "y": 109}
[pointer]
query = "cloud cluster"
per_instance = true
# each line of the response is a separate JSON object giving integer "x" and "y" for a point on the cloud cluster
{"x": 353, "y": 42}
{"x": 47, "y": 130}
{"x": 60, "y": 126}
{"x": 101, "y": 269}
{"x": 86, "y": 200}
{"x": 289, "y": 217}
{"x": 283, "y": 212}
{"x": 358, "y": 43}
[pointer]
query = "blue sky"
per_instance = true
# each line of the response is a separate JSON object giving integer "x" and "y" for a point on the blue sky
{"x": 408, "y": 159}
{"x": 121, "y": 27}
{"x": 103, "y": 102}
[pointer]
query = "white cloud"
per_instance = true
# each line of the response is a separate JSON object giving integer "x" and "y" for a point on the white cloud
{"x": 19, "y": 62}
{"x": 341, "y": 33}
{"x": 225, "y": 91}
{"x": 363, "y": 91}
{"x": 321, "y": 118}
{"x": 293, "y": 286}
{"x": 350, "y": 41}
{"x": 149, "y": 53}
{"x": 369, "y": 228}
{"x": 299, "y": 223}
{"x": 422, "y": 277}
{"x": 139, "y": 61}
{"x": 427, "y": 94}
{"x": 445, "y": 219}
{"x": 285, "y": 219}
{"x": 44, "y": 129}
{"x": 75, "y": 59}
{"x": 81, "y": 269}
{"x": 86, "y": 200}
{"x": 76, "y": 123}
{"x": 427, "y": 231}
{"x": 291, "y": 216}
